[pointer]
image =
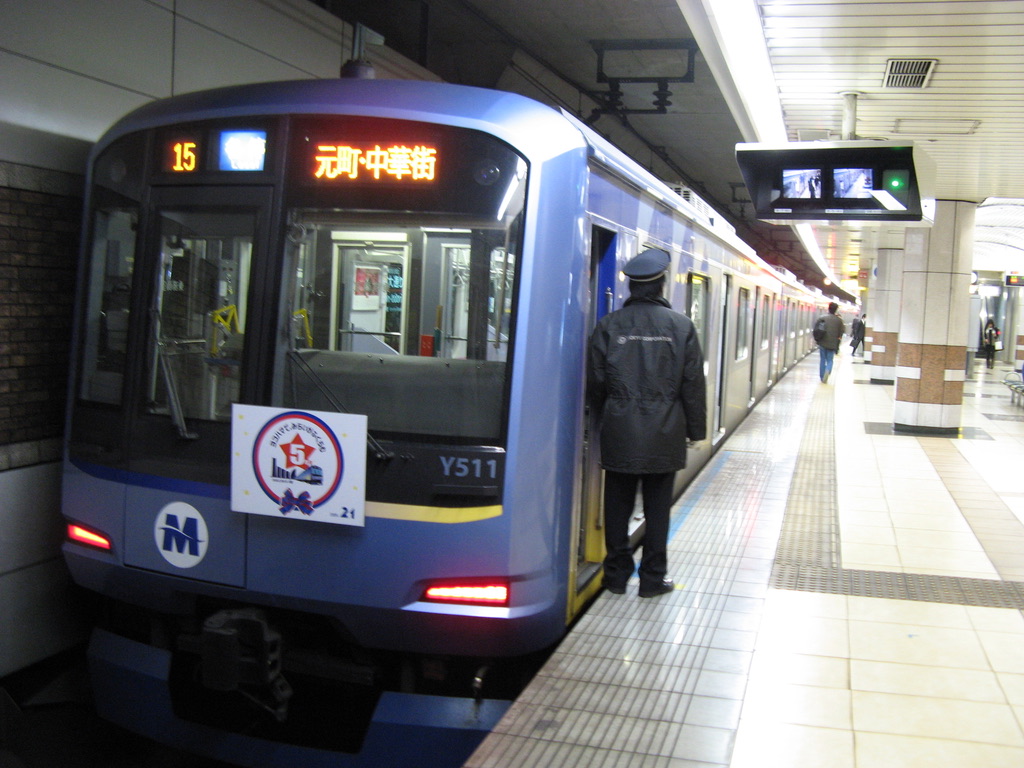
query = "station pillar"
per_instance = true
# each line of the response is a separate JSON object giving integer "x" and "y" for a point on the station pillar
{"x": 882, "y": 335}
{"x": 932, "y": 352}
{"x": 1017, "y": 359}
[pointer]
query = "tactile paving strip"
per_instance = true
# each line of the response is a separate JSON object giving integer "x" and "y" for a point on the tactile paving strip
{"x": 808, "y": 557}
{"x": 660, "y": 683}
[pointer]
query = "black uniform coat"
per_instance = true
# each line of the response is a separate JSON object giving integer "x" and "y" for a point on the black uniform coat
{"x": 646, "y": 377}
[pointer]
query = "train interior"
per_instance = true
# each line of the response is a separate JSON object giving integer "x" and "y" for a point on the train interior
{"x": 410, "y": 325}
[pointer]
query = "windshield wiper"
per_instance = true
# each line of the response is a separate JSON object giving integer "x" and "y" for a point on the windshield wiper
{"x": 379, "y": 451}
{"x": 171, "y": 383}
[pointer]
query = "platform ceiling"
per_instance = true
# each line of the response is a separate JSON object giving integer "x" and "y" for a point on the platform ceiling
{"x": 968, "y": 112}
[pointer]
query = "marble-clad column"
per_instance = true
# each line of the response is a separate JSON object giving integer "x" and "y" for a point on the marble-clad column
{"x": 932, "y": 353}
{"x": 1017, "y": 359}
{"x": 885, "y": 288}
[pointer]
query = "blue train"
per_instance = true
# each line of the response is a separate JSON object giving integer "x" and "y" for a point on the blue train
{"x": 328, "y": 463}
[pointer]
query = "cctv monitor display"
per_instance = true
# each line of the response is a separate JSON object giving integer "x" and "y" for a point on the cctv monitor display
{"x": 800, "y": 183}
{"x": 852, "y": 182}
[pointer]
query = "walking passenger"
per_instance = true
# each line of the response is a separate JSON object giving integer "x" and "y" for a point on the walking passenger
{"x": 858, "y": 327}
{"x": 832, "y": 328}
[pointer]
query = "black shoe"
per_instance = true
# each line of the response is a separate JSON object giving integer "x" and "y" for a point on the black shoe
{"x": 615, "y": 589}
{"x": 665, "y": 587}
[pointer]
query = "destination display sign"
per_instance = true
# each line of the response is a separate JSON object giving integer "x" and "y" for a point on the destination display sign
{"x": 342, "y": 161}
{"x": 234, "y": 150}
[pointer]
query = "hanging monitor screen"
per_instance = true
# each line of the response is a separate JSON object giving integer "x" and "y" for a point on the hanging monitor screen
{"x": 801, "y": 183}
{"x": 853, "y": 183}
{"x": 849, "y": 180}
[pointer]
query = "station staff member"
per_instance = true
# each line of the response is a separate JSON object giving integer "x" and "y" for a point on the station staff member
{"x": 646, "y": 383}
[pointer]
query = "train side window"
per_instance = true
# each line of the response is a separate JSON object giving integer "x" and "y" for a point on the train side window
{"x": 699, "y": 288}
{"x": 766, "y": 305}
{"x": 743, "y": 324}
{"x": 108, "y": 307}
{"x": 117, "y": 177}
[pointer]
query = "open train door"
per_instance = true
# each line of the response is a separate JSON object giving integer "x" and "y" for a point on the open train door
{"x": 588, "y": 544}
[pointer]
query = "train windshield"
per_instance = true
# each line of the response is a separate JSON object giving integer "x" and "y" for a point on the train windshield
{"x": 406, "y": 321}
{"x": 368, "y": 267}
{"x": 402, "y": 243}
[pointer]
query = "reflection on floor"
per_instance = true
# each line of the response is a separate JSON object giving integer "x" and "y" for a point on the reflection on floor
{"x": 847, "y": 597}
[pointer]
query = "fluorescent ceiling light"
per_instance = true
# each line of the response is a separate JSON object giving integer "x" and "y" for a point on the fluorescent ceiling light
{"x": 805, "y": 232}
{"x": 732, "y": 41}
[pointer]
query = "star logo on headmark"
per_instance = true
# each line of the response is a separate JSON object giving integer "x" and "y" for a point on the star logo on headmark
{"x": 297, "y": 464}
{"x": 297, "y": 453}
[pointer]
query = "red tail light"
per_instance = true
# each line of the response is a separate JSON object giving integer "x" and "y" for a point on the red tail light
{"x": 80, "y": 535}
{"x": 495, "y": 593}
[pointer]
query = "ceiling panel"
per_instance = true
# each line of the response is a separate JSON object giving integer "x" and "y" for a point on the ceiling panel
{"x": 821, "y": 49}
{"x": 970, "y": 117}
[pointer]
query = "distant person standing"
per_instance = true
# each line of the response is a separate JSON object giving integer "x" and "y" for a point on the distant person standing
{"x": 989, "y": 340}
{"x": 857, "y": 328}
{"x": 646, "y": 383}
{"x": 828, "y": 332}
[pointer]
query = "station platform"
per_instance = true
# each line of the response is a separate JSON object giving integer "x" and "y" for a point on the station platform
{"x": 845, "y": 597}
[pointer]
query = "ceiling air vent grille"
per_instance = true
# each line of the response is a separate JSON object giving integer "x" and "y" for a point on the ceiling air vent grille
{"x": 908, "y": 73}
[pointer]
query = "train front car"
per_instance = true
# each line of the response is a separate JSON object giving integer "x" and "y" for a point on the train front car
{"x": 323, "y": 432}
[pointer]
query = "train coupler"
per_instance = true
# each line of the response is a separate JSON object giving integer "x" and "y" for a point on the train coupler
{"x": 242, "y": 652}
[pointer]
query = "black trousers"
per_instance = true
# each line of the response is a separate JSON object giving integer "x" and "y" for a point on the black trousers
{"x": 619, "y": 496}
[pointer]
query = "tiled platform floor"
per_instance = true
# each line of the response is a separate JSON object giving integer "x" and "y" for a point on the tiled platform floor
{"x": 846, "y": 597}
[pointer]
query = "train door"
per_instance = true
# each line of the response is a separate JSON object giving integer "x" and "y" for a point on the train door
{"x": 201, "y": 252}
{"x": 589, "y": 540}
{"x": 369, "y": 314}
{"x": 723, "y": 356}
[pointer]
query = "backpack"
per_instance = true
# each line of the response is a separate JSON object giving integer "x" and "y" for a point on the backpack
{"x": 819, "y": 329}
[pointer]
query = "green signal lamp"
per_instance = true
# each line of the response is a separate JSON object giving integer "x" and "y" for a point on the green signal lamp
{"x": 895, "y": 181}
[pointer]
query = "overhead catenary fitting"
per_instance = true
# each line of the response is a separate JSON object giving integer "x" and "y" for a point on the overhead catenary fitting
{"x": 612, "y": 98}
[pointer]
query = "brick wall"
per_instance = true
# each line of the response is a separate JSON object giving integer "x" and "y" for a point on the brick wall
{"x": 40, "y": 223}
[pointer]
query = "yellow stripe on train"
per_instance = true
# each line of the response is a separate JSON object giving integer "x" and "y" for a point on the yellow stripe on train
{"x": 422, "y": 514}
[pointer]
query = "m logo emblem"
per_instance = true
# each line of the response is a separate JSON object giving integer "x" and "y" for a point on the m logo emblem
{"x": 181, "y": 535}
